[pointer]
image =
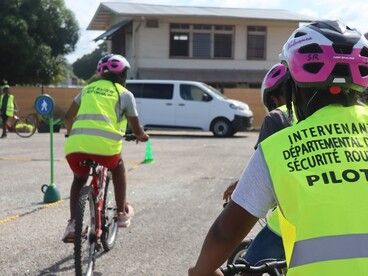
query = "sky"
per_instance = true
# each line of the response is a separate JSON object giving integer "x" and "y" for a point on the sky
{"x": 351, "y": 12}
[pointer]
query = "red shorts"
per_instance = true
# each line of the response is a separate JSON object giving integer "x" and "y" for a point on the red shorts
{"x": 74, "y": 160}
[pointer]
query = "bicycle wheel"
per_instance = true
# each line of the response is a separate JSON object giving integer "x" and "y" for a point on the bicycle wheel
{"x": 109, "y": 216}
{"x": 239, "y": 251}
{"x": 85, "y": 242}
{"x": 26, "y": 126}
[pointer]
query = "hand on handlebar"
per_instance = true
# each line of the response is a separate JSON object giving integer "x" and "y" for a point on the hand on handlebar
{"x": 144, "y": 137}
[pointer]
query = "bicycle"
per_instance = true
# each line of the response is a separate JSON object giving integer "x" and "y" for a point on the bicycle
{"x": 96, "y": 224}
{"x": 24, "y": 126}
{"x": 271, "y": 267}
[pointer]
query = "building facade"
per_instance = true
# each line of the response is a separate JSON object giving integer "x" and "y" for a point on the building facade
{"x": 226, "y": 47}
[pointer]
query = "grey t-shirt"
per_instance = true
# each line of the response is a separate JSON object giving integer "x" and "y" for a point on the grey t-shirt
{"x": 272, "y": 123}
{"x": 254, "y": 190}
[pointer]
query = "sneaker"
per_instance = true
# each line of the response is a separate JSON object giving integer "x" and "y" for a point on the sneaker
{"x": 124, "y": 218}
{"x": 69, "y": 232}
{"x": 4, "y": 136}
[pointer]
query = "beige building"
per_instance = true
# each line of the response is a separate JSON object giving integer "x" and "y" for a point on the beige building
{"x": 226, "y": 47}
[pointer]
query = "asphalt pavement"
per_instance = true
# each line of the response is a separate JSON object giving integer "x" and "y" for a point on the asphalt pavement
{"x": 176, "y": 199}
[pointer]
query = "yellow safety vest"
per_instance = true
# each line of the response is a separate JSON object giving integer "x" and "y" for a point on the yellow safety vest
{"x": 99, "y": 125}
{"x": 319, "y": 171}
{"x": 273, "y": 220}
{"x": 9, "y": 106}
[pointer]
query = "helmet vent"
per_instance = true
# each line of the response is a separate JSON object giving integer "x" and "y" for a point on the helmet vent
{"x": 298, "y": 34}
{"x": 341, "y": 70}
{"x": 310, "y": 48}
{"x": 364, "y": 52}
{"x": 313, "y": 67}
{"x": 342, "y": 48}
{"x": 275, "y": 74}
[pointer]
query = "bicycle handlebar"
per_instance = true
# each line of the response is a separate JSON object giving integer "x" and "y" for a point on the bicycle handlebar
{"x": 271, "y": 267}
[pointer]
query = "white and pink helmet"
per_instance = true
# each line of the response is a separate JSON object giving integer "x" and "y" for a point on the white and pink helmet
{"x": 327, "y": 53}
{"x": 272, "y": 81}
{"x": 112, "y": 64}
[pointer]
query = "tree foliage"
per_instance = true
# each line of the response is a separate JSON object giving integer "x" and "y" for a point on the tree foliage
{"x": 85, "y": 67}
{"x": 34, "y": 37}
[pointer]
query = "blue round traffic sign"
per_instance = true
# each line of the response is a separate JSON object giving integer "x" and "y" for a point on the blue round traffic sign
{"x": 44, "y": 104}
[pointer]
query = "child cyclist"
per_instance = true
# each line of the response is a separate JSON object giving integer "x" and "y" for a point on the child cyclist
{"x": 95, "y": 123}
{"x": 274, "y": 91}
{"x": 315, "y": 171}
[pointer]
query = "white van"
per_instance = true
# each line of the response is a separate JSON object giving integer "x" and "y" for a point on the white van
{"x": 176, "y": 104}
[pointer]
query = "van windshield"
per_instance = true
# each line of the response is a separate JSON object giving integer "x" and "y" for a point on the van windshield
{"x": 218, "y": 93}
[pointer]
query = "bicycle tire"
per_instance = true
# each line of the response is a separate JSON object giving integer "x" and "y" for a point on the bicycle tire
{"x": 26, "y": 126}
{"x": 85, "y": 241}
{"x": 239, "y": 251}
{"x": 109, "y": 216}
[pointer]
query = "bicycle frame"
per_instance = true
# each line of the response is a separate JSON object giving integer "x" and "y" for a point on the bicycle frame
{"x": 98, "y": 183}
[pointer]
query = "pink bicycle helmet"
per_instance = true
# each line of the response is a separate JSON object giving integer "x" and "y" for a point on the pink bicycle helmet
{"x": 112, "y": 64}
{"x": 272, "y": 81}
{"x": 327, "y": 53}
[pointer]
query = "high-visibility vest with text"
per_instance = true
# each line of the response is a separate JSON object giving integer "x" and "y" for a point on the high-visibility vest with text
{"x": 99, "y": 125}
{"x": 319, "y": 171}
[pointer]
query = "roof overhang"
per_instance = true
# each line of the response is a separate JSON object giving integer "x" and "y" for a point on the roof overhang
{"x": 203, "y": 75}
{"x": 115, "y": 28}
{"x": 109, "y": 10}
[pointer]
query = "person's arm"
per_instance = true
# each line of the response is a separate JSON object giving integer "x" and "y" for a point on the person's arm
{"x": 137, "y": 129}
{"x": 129, "y": 107}
{"x": 70, "y": 116}
{"x": 252, "y": 199}
{"x": 229, "y": 229}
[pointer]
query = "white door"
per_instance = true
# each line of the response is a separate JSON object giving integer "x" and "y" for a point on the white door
{"x": 193, "y": 107}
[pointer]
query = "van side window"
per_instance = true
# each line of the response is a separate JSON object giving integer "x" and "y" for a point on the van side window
{"x": 190, "y": 92}
{"x": 158, "y": 91}
{"x": 135, "y": 88}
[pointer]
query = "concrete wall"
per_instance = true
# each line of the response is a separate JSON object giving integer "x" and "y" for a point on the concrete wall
{"x": 63, "y": 97}
{"x": 25, "y": 98}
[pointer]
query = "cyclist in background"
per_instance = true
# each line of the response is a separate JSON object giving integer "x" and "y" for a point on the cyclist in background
{"x": 275, "y": 88}
{"x": 8, "y": 106}
{"x": 95, "y": 123}
{"x": 316, "y": 171}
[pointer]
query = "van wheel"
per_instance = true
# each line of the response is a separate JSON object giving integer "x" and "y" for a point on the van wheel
{"x": 222, "y": 128}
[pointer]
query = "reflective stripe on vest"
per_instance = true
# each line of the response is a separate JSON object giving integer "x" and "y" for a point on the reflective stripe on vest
{"x": 319, "y": 173}
{"x": 96, "y": 132}
{"x": 329, "y": 248}
{"x": 95, "y": 117}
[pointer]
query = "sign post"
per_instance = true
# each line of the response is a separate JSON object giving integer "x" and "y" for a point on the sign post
{"x": 44, "y": 105}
